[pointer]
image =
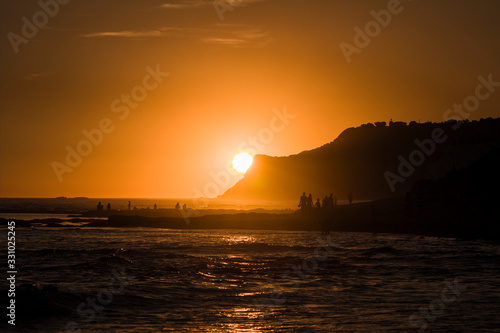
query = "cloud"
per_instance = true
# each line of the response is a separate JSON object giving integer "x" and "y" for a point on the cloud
{"x": 242, "y": 38}
{"x": 200, "y": 3}
{"x": 37, "y": 76}
{"x": 226, "y": 41}
{"x": 184, "y": 4}
{"x": 223, "y": 34}
{"x": 126, "y": 34}
{"x": 160, "y": 32}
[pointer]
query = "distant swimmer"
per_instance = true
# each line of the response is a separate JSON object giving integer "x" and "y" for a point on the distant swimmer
{"x": 129, "y": 205}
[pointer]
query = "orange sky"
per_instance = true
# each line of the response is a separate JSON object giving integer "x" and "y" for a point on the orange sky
{"x": 225, "y": 79}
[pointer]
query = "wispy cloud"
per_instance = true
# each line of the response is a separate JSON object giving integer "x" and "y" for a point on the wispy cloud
{"x": 37, "y": 76}
{"x": 160, "y": 32}
{"x": 184, "y": 4}
{"x": 224, "y": 34}
{"x": 241, "y": 38}
{"x": 126, "y": 34}
{"x": 200, "y": 3}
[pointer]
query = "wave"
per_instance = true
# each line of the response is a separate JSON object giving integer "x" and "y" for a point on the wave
{"x": 49, "y": 251}
{"x": 35, "y": 302}
{"x": 380, "y": 250}
{"x": 263, "y": 247}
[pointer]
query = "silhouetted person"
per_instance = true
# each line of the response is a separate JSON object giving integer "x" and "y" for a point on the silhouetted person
{"x": 99, "y": 207}
{"x": 350, "y": 198}
{"x": 177, "y": 206}
{"x": 108, "y": 207}
{"x": 129, "y": 205}
{"x": 310, "y": 202}
{"x": 328, "y": 204}
{"x": 184, "y": 207}
{"x": 155, "y": 206}
{"x": 317, "y": 210}
{"x": 303, "y": 202}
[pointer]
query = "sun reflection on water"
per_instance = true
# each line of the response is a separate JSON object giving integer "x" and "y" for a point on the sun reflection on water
{"x": 244, "y": 320}
{"x": 239, "y": 239}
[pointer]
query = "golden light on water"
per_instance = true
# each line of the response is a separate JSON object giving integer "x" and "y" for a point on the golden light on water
{"x": 239, "y": 239}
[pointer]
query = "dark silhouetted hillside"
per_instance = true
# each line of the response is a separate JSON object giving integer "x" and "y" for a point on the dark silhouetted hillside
{"x": 360, "y": 158}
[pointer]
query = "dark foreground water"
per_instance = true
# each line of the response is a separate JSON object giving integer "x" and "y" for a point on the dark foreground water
{"x": 122, "y": 280}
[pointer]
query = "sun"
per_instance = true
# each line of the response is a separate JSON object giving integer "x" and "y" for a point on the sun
{"x": 242, "y": 161}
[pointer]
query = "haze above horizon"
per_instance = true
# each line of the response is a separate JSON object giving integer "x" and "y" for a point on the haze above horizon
{"x": 166, "y": 93}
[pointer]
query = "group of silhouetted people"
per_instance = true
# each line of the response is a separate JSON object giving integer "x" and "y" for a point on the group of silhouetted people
{"x": 325, "y": 206}
{"x": 135, "y": 207}
{"x": 100, "y": 207}
{"x": 178, "y": 207}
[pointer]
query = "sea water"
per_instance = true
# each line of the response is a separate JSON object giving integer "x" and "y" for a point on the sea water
{"x": 152, "y": 280}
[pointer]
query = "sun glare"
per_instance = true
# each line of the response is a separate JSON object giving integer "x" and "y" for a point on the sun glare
{"x": 242, "y": 161}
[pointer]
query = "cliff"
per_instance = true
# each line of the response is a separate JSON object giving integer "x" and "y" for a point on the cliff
{"x": 373, "y": 161}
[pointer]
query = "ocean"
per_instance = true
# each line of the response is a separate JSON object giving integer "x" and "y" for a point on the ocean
{"x": 159, "y": 280}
